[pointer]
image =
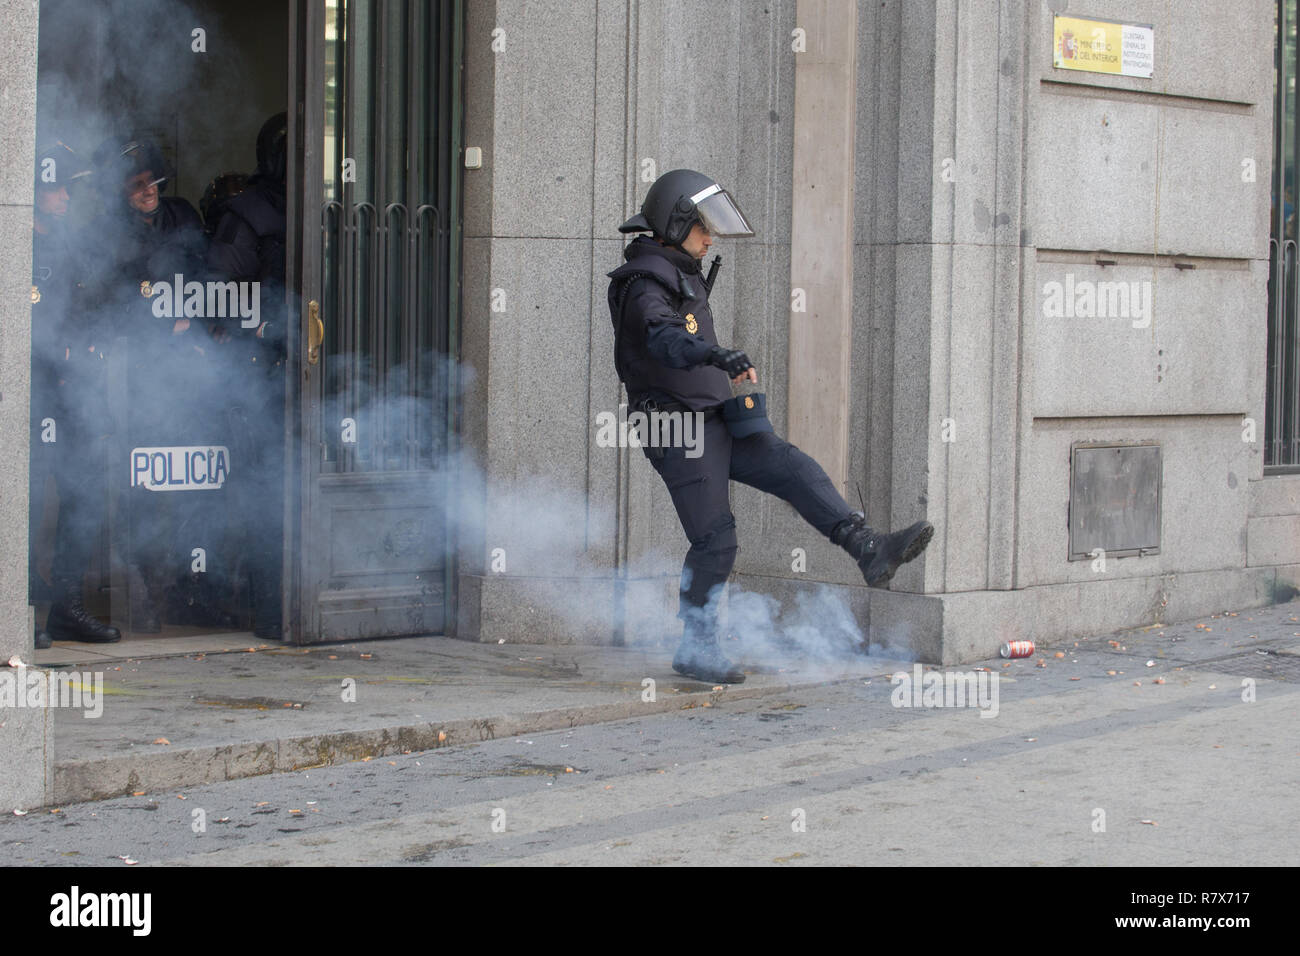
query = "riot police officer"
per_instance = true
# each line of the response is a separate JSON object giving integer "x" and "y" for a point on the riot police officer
{"x": 668, "y": 357}
{"x": 153, "y": 238}
{"x": 248, "y": 245}
{"x": 69, "y": 389}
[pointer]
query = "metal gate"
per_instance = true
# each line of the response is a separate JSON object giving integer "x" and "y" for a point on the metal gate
{"x": 379, "y": 271}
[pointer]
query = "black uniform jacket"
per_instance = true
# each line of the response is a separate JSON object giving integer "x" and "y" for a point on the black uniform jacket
{"x": 663, "y": 329}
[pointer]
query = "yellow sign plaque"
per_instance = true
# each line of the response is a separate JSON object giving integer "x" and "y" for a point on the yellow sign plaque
{"x": 1103, "y": 46}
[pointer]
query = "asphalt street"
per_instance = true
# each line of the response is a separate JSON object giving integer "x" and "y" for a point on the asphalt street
{"x": 1152, "y": 749}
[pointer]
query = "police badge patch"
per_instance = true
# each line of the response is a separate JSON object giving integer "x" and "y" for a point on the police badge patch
{"x": 691, "y": 325}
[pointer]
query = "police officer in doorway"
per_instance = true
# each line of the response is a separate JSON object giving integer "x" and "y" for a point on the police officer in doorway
{"x": 248, "y": 245}
{"x": 69, "y": 392}
{"x": 150, "y": 238}
{"x": 668, "y": 357}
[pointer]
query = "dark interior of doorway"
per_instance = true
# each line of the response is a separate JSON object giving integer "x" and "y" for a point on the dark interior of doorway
{"x": 198, "y": 78}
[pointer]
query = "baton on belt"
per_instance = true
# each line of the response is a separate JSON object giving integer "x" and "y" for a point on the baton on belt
{"x": 713, "y": 274}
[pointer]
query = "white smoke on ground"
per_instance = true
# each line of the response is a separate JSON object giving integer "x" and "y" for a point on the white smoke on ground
{"x": 816, "y": 634}
{"x": 550, "y": 529}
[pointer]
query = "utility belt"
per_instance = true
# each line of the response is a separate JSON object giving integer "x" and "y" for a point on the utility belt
{"x": 744, "y": 415}
{"x": 650, "y": 405}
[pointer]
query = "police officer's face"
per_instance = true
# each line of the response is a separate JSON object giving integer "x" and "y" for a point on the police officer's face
{"x": 697, "y": 243}
{"x": 142, "y": 192}
{"x": 52, "y": 202}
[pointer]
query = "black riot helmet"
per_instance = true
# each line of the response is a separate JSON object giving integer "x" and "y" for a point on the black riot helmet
{"x": 117, "y": 161}
{"x": 680, "y": 198}
{"x": 144, "y": 157}
{"x": 58, "y": 165}
{"x": 217, "y": 196}
{"x": 273, "y": 148}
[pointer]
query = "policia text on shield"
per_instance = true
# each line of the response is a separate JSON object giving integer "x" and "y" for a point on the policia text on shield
{"x": 667, "y": 355}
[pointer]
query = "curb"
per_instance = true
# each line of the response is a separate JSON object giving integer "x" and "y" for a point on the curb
{"x": 102, "y": 779}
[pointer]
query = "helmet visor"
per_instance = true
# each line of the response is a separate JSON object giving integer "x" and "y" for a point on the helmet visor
{"x": 720, "y": 214}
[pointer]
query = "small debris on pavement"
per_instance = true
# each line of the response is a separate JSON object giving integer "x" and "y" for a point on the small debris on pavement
{"x": 164, "y": 741}
{"x": 1149, "y": 823}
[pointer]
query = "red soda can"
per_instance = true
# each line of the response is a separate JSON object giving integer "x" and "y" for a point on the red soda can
{"x": 1017, "y": 649}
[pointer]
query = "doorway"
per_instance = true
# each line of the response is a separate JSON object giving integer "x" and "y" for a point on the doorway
{"x": 292, "y": 489}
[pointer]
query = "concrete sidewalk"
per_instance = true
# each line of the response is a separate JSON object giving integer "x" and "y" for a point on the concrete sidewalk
{"x": 203, "y": 717}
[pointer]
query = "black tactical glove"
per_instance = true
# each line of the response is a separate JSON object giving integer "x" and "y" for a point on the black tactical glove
{"x": 732, "y": 361}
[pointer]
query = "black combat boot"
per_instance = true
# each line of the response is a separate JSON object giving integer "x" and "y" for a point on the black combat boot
{"x": 69, "y": 621}
{"x": 879, "y": 555}
{"x": 43, "y": 639}
{"x": 700, "y": 657}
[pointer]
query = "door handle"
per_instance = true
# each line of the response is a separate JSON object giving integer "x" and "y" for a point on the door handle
{"x": 315, "y": 332}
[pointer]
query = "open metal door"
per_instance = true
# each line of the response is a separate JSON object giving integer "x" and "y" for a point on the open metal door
{"x": 377, "y": 266}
